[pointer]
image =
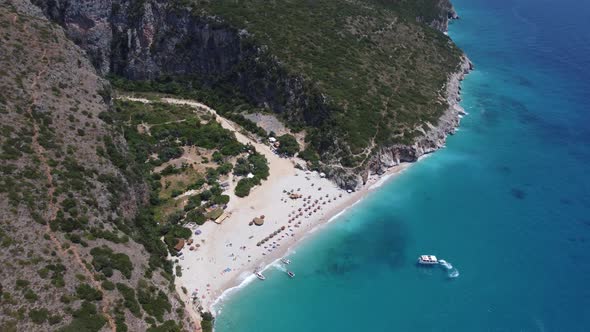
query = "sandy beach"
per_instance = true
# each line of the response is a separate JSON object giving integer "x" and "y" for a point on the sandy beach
{"x": 228, "y": 253}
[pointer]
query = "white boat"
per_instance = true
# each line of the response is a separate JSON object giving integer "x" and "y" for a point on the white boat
{"x": 285, "y": 261}
{"x": 259, "y": 275}
{"x": 427, "y": 260}
{"x": 291, "y": 274}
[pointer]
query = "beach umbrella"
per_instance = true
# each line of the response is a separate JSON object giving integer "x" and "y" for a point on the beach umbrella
{"x": 258, "y": 221}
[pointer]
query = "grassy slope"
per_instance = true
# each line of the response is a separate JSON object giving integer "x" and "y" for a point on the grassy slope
{"x": 382, "y": 71}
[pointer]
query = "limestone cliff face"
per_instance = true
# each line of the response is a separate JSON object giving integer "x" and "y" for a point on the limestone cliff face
{"x": 143, "y": 40}
{"x": 149, "y": 39}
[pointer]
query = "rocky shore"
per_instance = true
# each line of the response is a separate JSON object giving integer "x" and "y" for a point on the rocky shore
{"x": 432, "y": 140}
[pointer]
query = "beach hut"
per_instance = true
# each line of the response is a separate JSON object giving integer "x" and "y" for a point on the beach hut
{"x": 258, "y": 221}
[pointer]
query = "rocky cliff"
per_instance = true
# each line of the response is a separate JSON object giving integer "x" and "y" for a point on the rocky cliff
{"x": 145, "y": 40}
{"x": 432, "y": 139}
{"x": 155, "y": 39}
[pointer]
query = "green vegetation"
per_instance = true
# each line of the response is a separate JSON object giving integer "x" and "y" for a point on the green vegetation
{"x": 108, "y": 285}
{"x": 129, "y": 299}
{"x": 383, "y": 80}
{"x": 105, "y": 260}
{"x": 288, "y": 145}
{"x": 168, "y": 326}
{"x": 86, "y": 318}
{"x": 153, "y": 301}
{"x": 86, "y": 292}
{"x": 256, "y": 164}
{"x": 207, "y": 322}
{"x": 372, "y": 74}
{"x": 38, "y": 316}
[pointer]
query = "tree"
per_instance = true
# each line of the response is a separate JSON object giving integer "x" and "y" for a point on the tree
{"x": 288, "y": 145}
{"x": 243, "y": 188}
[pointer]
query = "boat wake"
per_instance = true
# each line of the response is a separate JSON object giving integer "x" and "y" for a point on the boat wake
{"x": 452, "y": 272}
{"x": 279, "y": 267}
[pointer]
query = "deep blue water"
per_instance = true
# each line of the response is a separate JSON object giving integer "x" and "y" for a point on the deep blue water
{"x": 507, "y": 203}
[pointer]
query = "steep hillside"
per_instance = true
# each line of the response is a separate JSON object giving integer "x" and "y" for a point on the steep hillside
{"x": 73, "y": 255}
{"x": 360, "y": 77}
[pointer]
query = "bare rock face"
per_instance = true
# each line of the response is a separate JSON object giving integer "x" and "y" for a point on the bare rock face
{"x": 143, "y": 40}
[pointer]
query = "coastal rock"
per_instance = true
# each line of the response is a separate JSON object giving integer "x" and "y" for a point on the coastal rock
{"x": 430, "y": 141}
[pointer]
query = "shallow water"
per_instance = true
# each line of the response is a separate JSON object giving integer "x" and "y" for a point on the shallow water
{"x": 507, "y": 203}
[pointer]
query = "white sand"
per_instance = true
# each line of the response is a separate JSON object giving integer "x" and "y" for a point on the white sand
{"x": 228, "y": 252}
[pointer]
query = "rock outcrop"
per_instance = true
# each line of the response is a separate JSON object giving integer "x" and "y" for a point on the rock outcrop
{"x": 146, "y": 40}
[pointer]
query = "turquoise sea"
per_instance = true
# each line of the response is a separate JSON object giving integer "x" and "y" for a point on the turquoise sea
{"x": 507, "y": 203}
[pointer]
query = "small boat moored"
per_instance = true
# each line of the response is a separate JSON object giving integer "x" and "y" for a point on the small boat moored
{"x": 291, "y": 274}
{"x": 427, "y": 260}
{"x": 285, "y": 261}
{"x": 259, "y": 275}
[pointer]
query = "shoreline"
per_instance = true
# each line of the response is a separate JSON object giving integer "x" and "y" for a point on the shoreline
{"x": 220, "y": 272}
{"x": 214, "y": 256}
{"x": 354, "y": 198}
{"x": 450, "y": 122}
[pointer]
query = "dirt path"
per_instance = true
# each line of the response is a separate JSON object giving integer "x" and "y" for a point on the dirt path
{"x": 52, "y": 208}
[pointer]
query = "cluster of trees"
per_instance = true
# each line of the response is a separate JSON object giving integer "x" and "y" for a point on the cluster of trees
{"x": 257, "y": 165}
{"x": 105, "y": 260}
{"x": 288, "y": 145}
